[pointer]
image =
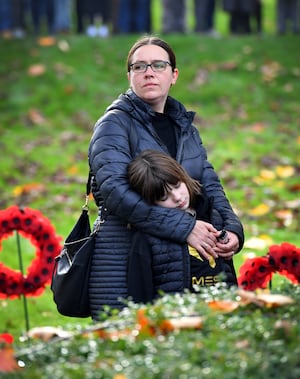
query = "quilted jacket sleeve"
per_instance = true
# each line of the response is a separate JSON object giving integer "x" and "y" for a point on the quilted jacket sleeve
{"x": 109, "y": 155}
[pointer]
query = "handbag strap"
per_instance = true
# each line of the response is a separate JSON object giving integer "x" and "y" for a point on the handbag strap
{"x": 87, "y": 192}
{"x": 104, "y": 211}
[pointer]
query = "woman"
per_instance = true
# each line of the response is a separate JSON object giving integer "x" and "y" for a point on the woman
{"x": 161, "y": 180}
{"x": 146, "y": 117}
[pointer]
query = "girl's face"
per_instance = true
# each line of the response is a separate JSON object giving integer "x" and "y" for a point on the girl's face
{"x": 177, "y": 197}
{"x": 152, "y": 87}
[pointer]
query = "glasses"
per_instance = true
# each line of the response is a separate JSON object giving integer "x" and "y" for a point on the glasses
{"x": 156, "y": 66}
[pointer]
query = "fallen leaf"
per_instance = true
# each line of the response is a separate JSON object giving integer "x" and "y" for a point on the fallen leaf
{"x": 270, "y": 70}
{"x": 264, "y": 299}
{"x": 46, "y": 333}
{"x": 46, "y": 41}
{"x": 259, "y": 243}
{"x": 260, "y": 210}
{"x": 8, "y": 362}
{"x": 228, "y": 66}
{"x": 36, "y": 70}
{"x": 285, "y": 171}
{"x": 28, "y": 188}
{"x": 285, "y": 215}
{"x": 258, "y": 127}
{"x": 63, "y": 46}
{"x": 267, "y": 174}
{"x": 223, "y": 305}
{"x": 36, "y": 117}
{"x": 187, "y": 322}
{"x": 293, "y": 204}
{"x": 274, "y": 300}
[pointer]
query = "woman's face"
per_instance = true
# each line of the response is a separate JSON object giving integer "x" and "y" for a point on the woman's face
{"x": 152, "y": 87}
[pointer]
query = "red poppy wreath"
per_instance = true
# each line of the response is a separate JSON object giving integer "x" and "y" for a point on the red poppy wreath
{"x": 33, "y": 225}
{"x": 257, "y": 272}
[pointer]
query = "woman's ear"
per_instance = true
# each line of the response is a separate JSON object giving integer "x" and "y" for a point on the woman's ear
{"x": 175, "y": 76}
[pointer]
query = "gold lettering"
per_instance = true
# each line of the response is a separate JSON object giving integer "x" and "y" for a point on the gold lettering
{"x": 205, "y": 280}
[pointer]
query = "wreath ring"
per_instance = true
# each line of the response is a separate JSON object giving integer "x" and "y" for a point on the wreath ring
{"x": 283, "y": 259}
{"x": 31, "y": 224}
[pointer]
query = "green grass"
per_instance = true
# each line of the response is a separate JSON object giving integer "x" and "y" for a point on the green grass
{"x": 249, "y": 122}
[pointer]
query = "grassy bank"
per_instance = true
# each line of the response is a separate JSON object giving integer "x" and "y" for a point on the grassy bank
{"x": 245, "y": 92}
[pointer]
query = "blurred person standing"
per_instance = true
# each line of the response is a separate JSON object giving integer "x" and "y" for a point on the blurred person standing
{"x": 204, "y": 17}
{"x": 257, "y": 17}
{"x": 99, "y": 16}
{"x": 5, "y": 18}
{"x": 19, "y": 9}
{"x": 62, "y": 15}
{"x": 39, "y": 9}
{"x": 240, "y": 12}
{"x": 134, "y": 16}
{"x": 287, "y": 13}
{"x": 174, "y": 16}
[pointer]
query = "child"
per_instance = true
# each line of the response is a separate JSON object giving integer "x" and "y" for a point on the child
{"x": 161, "y": 180}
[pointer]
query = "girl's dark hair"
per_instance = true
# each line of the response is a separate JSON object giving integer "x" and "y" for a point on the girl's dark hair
{"x": 152, "y": 40}
{"x": 152, "y": 172}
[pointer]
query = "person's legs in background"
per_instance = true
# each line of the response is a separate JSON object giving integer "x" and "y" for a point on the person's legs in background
{"x": 174, "y": 16}
{"x": 5, "y": 18}
{"x": 62, "y": 16}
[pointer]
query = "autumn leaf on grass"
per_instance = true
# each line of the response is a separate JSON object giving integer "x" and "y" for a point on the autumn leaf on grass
{"x": 223, "y": 305}
{"x": 285, "y": 216}
{"x": 63, "y": 46}
{"x": 28, "y": 188}
{"x": 8, "y": 362}
{"x": 258, "y": 127}
{"x": 270, "y": 70}
{"x": 285, "y": 171}
{"x": 260, "y": 210}
{"x": 46, "y": 333}
{"x": 264, "y": 299}
{"x": 264, "y": 177}
{"x": 7, "y": 359}
{"x": 228, "y": 66}
{"x": 201, "y": 77}
{"x": 36, "y": 69}
{"x": 46, "y": 41}
{"x": 185, "y": 322}
{"x": 261, "y": 242}
{"x": 269, "y": 300}
{"x": 36, "y": 117}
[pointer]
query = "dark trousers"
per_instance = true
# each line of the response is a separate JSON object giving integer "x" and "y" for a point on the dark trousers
{"x": 39, "y": 8}
{"x": 204, "y": 15}
{"x": 134, "y": 16}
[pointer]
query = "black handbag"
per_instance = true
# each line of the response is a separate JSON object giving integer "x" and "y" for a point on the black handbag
{"x": 72, "y": 267}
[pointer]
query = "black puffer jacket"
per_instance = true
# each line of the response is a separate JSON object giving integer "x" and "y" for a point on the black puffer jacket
{"x": 122, "y": 133}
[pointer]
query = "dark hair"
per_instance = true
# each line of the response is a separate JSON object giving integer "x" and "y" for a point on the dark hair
{"x": 151, "y": 40}
{"x": 152, "y": 172}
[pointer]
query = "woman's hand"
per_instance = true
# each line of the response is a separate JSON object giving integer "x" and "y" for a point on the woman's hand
{"x": 229, "y": 247}
{"x": 203, "y": 238}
